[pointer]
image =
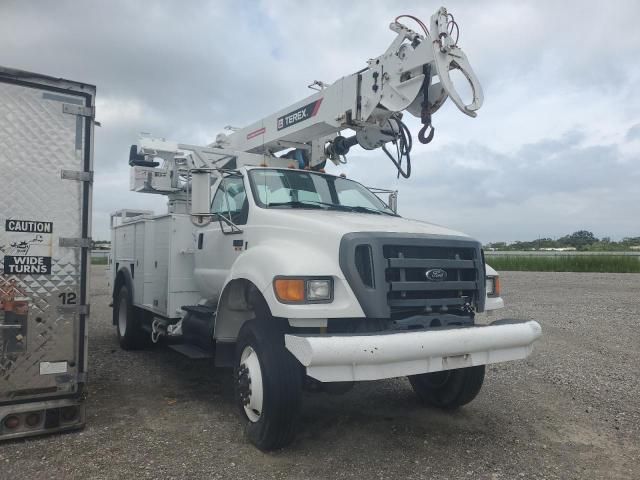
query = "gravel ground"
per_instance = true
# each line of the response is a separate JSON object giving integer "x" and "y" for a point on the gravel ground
{"x": 570, "y": 411}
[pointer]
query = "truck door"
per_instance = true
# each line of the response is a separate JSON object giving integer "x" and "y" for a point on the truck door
{"x": 46, "y": 130}
{"x": 221, "y": 242}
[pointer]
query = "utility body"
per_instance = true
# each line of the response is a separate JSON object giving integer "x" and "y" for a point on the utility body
{"x": 301, "y": 279}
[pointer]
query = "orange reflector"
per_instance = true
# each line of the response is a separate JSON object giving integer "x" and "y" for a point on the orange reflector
{"x": 289, "y": 290}
{"x": 496, "y": 286}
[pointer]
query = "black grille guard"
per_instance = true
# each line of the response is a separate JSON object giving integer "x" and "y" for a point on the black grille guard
{"x": 390, "y": 289}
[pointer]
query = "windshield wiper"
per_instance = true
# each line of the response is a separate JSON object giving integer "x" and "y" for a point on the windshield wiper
{"x": 312, "y": 204}
{"x": 295, "y": 204}
{"x": 361, "y": 209}
{"x": 330, "y": 206}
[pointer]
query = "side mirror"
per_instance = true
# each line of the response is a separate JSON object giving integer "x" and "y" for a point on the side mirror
{"x": 201, "y": 196}
{"x": 393, "y": 201}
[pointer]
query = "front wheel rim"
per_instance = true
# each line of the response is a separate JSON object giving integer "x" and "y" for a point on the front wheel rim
{"x": 250, "y": 384}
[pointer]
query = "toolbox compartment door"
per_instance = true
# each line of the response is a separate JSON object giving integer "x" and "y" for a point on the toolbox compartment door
{"x": 46, "y": 140}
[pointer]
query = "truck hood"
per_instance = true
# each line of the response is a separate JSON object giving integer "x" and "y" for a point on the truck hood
{"x": 340, "y": 223}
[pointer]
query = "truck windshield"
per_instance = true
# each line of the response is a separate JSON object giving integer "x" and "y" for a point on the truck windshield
{"x": 304, "y": 189}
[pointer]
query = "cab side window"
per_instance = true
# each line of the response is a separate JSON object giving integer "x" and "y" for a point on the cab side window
{"x": 230, "y": 200}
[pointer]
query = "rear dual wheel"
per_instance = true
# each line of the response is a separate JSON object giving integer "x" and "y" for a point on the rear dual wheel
{"x": 128, "y": 320}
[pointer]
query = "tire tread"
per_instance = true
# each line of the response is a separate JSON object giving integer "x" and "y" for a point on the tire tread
{"x": 135, "y": 337}
{"x": 281, "y": 371}
{"x": 461, "y": 388}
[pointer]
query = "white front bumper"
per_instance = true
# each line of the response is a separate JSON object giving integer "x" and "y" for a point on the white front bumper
{"x": 493, "y": 303}
{"x": 342, "y": 358}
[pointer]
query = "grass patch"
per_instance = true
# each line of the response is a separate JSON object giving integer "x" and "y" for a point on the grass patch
{"x": 99, "y": 260}
{"x": 566, "y": 263}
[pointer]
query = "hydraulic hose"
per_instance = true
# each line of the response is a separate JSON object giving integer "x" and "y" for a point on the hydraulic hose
{"x": 403, "y": 143}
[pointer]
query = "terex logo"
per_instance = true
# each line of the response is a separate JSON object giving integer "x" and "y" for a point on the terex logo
{"x": 296, "y": 117}
{"x": 299, "y": 115}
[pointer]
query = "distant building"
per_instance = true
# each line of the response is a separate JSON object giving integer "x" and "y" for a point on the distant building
{"x": 558, "y": 249}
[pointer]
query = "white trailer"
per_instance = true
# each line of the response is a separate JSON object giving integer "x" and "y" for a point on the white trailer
{"x": 46, "y": 162}
{"x": 297, "y": 278}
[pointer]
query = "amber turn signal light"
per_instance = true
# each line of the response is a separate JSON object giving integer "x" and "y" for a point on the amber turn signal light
{"x": 289, "y": 290}
{"x": 496, "y": 286}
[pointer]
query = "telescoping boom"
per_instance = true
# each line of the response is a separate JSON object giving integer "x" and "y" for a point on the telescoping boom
{"x": 412, "y": 75}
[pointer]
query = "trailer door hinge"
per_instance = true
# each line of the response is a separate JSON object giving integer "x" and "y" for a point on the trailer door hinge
{"x": 79, "y": 309}
{"x": 80, "y": 110}
{"x": 76, "y": 175}
{"x": 75, "y": 242}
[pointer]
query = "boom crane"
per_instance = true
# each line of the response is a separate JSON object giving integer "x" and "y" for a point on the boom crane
{"x": 302, "y": 279}
{"x": 412, "y": 75}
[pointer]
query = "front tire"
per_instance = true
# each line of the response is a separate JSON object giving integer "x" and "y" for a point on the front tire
{"x": 127, "y": 319}
{"x": 448, "y": 389}
{"x": 268, "y": 385}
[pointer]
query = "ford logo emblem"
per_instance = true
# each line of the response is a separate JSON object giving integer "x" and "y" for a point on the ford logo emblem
{"x": 436, "y": 275}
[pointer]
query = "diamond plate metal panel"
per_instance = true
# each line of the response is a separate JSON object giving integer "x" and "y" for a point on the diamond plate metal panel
{"x": 37, "y": 141}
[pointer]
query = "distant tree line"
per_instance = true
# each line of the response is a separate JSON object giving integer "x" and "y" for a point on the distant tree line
{"x": 582, "y": 240}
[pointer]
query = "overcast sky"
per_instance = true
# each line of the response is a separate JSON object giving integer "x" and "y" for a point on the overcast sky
{"x": 554, "y": 149}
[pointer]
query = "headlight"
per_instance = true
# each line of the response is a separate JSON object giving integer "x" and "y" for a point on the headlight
{"x": 493, "y": 286}
{"x": 303, "y": 290}
{"x": 318, "y": 290}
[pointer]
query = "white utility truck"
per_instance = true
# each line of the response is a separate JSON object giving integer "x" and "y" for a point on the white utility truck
{"x": 46, "y": 161}
{"x": 298, "y": 278}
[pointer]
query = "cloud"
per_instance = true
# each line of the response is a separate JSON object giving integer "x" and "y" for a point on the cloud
{"x": 552, "y": 149}
{"x": 633, "y": 133}
{"x": 546, "y": 188}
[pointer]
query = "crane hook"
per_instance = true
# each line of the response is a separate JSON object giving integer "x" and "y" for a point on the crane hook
{"x": 425, "y": 112}
{"x": 421, "y": 133}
